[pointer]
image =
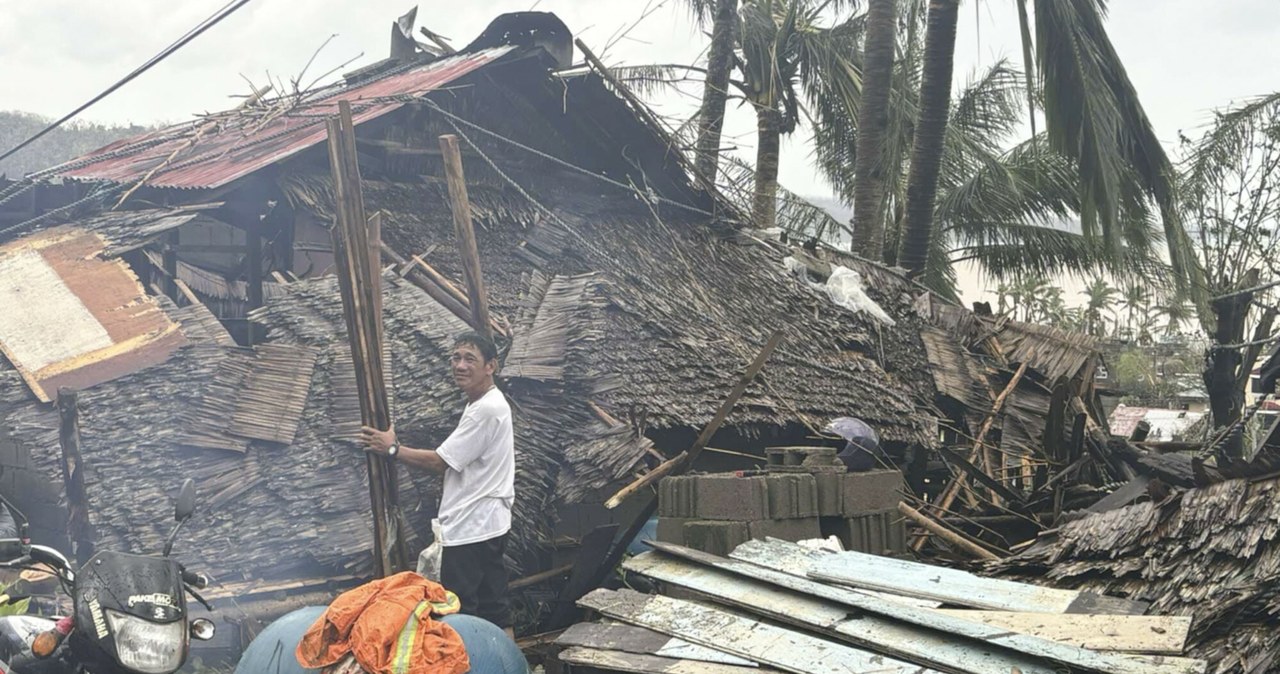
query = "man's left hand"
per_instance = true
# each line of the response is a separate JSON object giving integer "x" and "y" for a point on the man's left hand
{"x": 376, "y": 441}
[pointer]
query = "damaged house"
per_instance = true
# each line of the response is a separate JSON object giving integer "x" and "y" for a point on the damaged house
{"x": 626, "y": 296}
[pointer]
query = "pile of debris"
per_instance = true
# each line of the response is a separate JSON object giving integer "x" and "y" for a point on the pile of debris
{"x": 778, "y": 606}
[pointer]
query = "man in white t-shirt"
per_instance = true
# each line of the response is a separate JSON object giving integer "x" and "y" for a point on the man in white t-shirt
{"x": 478, "y": 464}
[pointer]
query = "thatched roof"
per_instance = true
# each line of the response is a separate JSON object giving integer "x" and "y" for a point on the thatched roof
{"x": 1211, "y": 553}
{"x": 681, "y": 307}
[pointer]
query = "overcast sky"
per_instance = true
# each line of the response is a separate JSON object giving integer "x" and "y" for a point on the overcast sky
{"x": 1184, "y": 56}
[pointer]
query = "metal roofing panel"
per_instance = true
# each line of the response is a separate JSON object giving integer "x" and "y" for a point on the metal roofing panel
{"x": 70, "y": 318}
{"x": 214, "y": 151}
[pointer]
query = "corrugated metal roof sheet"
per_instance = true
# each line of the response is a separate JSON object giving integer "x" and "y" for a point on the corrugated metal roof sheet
{"x": 70, "y": 318}
{"x": 214, "y": 151}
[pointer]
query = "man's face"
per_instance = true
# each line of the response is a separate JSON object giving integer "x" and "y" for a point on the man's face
{"x": 470, "y": 370}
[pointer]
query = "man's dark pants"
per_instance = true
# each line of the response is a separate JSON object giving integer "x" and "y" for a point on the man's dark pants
{"x": 477, "y": 573}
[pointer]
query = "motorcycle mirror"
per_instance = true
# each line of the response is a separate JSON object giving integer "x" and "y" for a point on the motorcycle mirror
{"x": 186, "y": 500}
{"x": 202, "y": 629}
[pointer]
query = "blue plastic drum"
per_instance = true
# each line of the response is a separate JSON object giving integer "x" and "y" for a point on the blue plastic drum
{"x": 488, "y": 647}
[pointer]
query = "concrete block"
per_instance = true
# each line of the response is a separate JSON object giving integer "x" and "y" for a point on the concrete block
{"x": 677, "y": 496}
{"x": 871, "y": 491}
{"x": 671, "y": 529}
{"x": 876, "y": 533}
{"x": 830, "y": 487}
{"x": 716, "y": 537}
{"x": 796, "y": 529}
{"x": 728, "y": 497}
{"x": 792, "y": 495}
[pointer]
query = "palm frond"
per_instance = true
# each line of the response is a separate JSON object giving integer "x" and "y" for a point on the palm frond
{"x": 1094, "y": 116}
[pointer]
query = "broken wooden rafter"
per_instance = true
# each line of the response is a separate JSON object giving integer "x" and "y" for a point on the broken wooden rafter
{"x": 466, "y": 235}
{"x": 943, "y": 531}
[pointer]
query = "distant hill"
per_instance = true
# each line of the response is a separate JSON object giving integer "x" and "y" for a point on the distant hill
{"x": 68, "y": 141}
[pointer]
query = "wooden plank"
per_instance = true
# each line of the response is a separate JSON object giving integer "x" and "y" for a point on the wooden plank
{"x": 760, "y": 567}
{"x": 619, "y": 661}
{"x": 1125, "y": 633}
{"x": 796, "y": 560}
{"x": 953, "y": 538}
{"x": 632, "y": 639}
{"x": 466, "y": 235}
{"x": 767, "y": 644}
{"x": 953, "y": 586}
{"x": 918, "y": 645}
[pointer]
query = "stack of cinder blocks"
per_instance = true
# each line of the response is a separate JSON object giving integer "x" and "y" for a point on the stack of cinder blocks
{"x": 715, "y": 513}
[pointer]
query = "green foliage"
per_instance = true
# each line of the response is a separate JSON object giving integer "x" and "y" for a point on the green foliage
{"x": 67, "y": 142}
{"x": 13, "y": 608}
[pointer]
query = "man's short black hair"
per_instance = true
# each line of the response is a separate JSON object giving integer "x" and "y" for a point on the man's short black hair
{"x": 483, "y": 344}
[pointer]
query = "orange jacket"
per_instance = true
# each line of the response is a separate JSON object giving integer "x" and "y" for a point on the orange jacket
{"x": 386, "y": 624}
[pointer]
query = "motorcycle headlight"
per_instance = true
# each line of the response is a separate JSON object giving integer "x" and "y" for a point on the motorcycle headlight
{"x": 147, "y": 647}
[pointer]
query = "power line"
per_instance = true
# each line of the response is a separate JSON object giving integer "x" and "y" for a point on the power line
{"x": 213, "y": 20}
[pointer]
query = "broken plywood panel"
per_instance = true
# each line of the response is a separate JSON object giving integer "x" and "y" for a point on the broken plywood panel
{"x": 71, "y": 318}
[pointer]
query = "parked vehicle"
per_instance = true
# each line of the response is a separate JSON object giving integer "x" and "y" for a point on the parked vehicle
{"x": 129, "y": 616}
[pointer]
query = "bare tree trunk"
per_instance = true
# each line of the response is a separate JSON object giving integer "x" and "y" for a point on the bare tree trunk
{"x": 873, "y": 121}
{"x": 931, "y": 128}
{"x": 1227, "y": 370}
{"x": 768, "y": 147}
{"x": 715, "y": 93}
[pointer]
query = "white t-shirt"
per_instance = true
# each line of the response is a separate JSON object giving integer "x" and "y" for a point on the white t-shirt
{"x": 479, "y": 483}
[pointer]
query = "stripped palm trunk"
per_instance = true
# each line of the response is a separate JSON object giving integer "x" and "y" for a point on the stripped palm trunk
{"x": 715, "y": 93}
{"x": 768, "y": 145}
{"x": 873, "y": 121}
{"x": 931, "y": 127}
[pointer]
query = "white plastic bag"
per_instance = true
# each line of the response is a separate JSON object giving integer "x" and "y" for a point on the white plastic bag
{"x": 429, "y": 559}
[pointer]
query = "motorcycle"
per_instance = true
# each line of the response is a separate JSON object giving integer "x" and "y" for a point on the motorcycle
{"x": 129, "y": 611}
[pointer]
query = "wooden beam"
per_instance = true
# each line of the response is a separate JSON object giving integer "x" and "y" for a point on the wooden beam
{"x": 741, "y": 636}
{"x": 601, "y": 660}
{"x": 685, "y": 459}
{"x": 466, "y": 235}
{"x": 79, "y": 528}
{"x": 1121, "y": 633}
{"x": 170, "y": 260}
{"x": 951, "y": 537}
{"x": 632, "y": 639}
{"x": 357, "y": 247}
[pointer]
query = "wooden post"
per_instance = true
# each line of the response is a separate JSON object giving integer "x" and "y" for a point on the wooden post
{"x": 79, "y": 529}
{"x": 466, "y": 235}
{"x": 357, "y": 249}
{"x": 253, "y": 240}
{"x": 170, "y": 258}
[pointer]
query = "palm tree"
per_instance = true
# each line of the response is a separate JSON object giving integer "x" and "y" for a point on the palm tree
{"x": 788, "y": 53}
{"x": 1135, "y": 299}
{"x": 931, "y": 126}
{"x": 873, "y": 123}
{"x": 1093, "y": 118}
{"x": 1176, "y": 312}
{"x": 715, "y": 95}
{"x": 1100, "y": 298}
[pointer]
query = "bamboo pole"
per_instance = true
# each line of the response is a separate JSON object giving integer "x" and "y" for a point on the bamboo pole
{"x": 685, "y": 458}
{"x": 357, "y": 249}
{"x": 941, "y": 531}
{"x": 466, "y": 235}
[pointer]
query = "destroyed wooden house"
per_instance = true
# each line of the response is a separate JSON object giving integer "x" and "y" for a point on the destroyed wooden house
{"x": 627, "y": 303}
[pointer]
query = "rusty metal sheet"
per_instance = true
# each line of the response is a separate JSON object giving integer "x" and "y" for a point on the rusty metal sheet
{"x": 70, "y": 318}
{"x": 208, "y": 158}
